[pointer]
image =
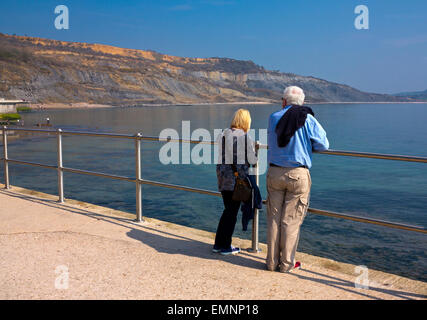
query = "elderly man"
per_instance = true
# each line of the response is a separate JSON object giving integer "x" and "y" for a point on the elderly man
{"x": 293, "y": 133}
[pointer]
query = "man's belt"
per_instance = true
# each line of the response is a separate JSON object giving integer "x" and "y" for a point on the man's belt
{"x": 275, "y": 165}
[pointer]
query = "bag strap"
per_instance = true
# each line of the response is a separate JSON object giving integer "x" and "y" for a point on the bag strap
{"x": 233, "y": 166}
{"x": 223, "y": 149}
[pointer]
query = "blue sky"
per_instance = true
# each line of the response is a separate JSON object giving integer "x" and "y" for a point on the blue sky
{"x": 307, "y": 37}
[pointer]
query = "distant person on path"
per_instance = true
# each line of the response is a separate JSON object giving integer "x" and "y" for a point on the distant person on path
{"x": 236, "y": 153}
{"x": 293, "y": 133}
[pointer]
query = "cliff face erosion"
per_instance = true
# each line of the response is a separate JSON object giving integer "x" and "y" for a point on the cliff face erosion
{"x": 50, "y": 71}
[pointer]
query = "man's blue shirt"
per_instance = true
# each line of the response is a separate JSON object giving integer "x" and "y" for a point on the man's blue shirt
{"x": 310, "y": 137}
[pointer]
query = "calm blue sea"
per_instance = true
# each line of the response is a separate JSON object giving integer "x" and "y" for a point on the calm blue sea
{"x": 384, "y": 189}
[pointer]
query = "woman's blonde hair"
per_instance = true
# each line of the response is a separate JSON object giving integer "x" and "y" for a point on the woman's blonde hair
{"x": 241, "y": 120}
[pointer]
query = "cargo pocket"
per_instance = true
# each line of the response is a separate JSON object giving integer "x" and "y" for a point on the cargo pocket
{"x": 302, "y": 207}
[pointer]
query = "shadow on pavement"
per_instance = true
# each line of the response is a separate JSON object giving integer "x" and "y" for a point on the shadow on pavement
{"x": 350, "y": 287}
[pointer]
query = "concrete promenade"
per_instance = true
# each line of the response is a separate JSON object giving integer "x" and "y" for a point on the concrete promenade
{"x": 109, "y": 256}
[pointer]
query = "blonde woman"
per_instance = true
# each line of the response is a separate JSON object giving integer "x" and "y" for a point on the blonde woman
{"x": 236, "y": 152}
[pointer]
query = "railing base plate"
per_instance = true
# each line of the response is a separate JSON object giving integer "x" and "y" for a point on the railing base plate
{"x": 251, "y": 250}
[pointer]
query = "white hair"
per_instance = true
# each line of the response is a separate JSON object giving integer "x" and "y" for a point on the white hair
{"x": 294, "y": 95}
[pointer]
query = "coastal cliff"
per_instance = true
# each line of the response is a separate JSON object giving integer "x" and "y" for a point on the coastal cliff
{"x": 50, "y": 71}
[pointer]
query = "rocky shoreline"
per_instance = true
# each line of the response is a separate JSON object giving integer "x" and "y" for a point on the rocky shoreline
{"x": 84, "y": 105}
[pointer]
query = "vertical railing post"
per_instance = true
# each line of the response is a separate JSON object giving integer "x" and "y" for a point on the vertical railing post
{"x": 60, "y": 171}
{"x": 5, "y": 156}
{"x": 255, "y": 221}
{"x": 138, "y": 177}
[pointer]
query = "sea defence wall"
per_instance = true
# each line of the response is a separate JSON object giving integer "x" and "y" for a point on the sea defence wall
{"x": 77, "y": 250}
{"x": 7, "y": 108}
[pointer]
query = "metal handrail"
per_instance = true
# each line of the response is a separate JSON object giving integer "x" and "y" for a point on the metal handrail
{"x": 261, "y": 146}
{"x": 139, "y": 181}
